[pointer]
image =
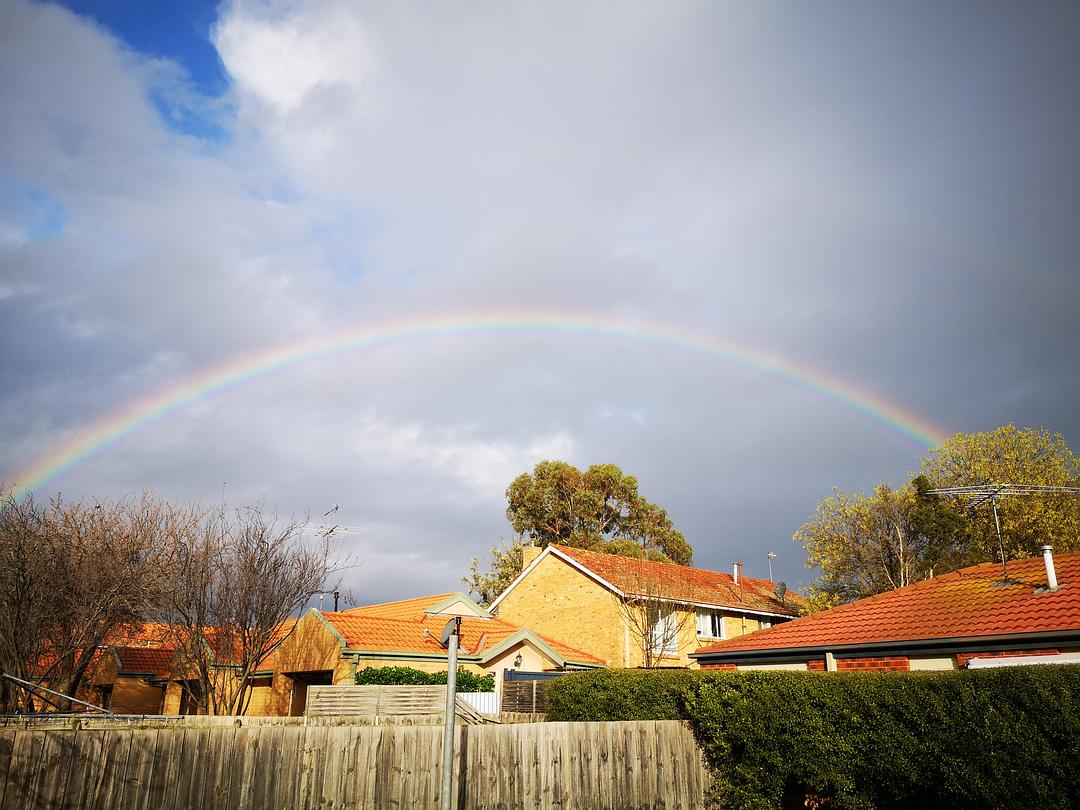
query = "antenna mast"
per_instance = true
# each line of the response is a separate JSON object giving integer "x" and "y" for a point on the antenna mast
{"x": 979, "y": 494}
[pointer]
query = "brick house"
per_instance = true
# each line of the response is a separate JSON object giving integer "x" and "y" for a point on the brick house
{"x": 329, "y": 648}
{"x": 614, "y": 606}
{"x": 966, "y": 618}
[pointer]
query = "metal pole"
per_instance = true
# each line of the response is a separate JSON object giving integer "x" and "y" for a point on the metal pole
{"x": 1001, "y": 545}
{"x": 448, "y": 720}
{"x": 29, "y": 685}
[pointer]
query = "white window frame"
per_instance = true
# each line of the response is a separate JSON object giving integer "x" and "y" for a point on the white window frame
{"x": 663, "y": 632}
{"x": 710, "y": 624}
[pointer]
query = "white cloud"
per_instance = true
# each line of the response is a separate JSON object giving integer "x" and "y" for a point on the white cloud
{"x": 788, "y": 180}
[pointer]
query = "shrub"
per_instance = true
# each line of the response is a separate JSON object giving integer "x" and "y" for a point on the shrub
{"x": 618, "y": 694}
{"x": 407, "y": 676}
{"x": 985, "y": 738}
{"x": 991, "y": 738}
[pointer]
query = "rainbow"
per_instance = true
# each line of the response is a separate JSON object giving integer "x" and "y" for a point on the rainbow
{"x": 96, "y": 437}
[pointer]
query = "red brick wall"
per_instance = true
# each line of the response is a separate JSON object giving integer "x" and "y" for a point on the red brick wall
{"x": 816, "y": 665}
{"x": 727, "y": 667}
{"x": 963, "y": 658}
{"x": 886, "y": 663}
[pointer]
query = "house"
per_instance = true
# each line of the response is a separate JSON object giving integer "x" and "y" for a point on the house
{"x": 631, "y": 612}
{"x": 126, "y": 674}
{"x": 329, "y": 648}
{"x": 131, "y": 680}
{"x": 973, "y": 618}
{"x": 183, "y": 690}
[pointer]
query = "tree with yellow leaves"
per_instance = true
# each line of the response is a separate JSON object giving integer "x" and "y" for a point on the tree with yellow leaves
{"x": 867, "y": 544}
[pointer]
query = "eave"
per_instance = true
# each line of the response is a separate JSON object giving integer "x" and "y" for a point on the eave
{"x": 1017, "y": 641}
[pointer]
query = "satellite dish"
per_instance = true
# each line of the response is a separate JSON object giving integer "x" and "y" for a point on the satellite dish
{"x": 449, "y": 630}
{"x": 781, "y": 591}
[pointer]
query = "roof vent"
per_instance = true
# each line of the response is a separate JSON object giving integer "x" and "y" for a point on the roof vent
{"x": 735, "y": 573}
{"x": 1051, "y": 575}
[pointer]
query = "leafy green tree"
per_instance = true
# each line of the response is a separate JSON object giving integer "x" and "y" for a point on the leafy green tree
{"x": 1011, "y": 455}
{"x": 506, "y": 563}
{"x": 867, "y": 544}
{"x": 599, "y": 508}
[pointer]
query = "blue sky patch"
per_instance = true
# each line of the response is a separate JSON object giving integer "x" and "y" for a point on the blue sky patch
{"x": 174, "y": 29}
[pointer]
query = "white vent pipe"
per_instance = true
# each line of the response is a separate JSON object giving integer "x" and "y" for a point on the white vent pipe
{"x": 1051, "y": 575}
{"x": 735, "y": 572}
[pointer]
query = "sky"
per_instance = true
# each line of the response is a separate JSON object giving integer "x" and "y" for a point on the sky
{"x": 387, "y": 256}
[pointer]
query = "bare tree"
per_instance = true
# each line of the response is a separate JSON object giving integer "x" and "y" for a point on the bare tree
{"x": 237, "y": 582}
{"x": 71, "y": 574}
{"x": 656, "y": 613}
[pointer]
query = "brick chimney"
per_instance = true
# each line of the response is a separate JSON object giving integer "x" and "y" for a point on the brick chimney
{"x": 528, "y": 554}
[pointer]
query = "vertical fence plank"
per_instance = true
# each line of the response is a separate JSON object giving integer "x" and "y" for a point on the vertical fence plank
{"x": 333, "y": 768}
{"x": 186, "y": 791}
{"x": 311, "y": 764}
{"x": 140, "y": 767}
{"x": 287, "y": 773}
{"x": 53, "y": 769}
{"x": 7, "y": 742}
{"x": 170, "y": 753}
{"x": 84, "y": 770}
{"x": 222, "y": 753}
{"x": 242, "y": 773}
{"x": 23, "y": 761}
{"x": 114, "y": 755}
{"x": 366, "y": 766}
{"x": 268, "y": 761}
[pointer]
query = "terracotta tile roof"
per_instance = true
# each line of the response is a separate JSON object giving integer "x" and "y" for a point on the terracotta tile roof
{"x": 961, "y": 604}
{"x": 683, "y": 583}
{"x": 362, "y": 631}
{"x": 142, "y": 660}
{"x": 402, "y": 609}
{"x": 143, "y": 634}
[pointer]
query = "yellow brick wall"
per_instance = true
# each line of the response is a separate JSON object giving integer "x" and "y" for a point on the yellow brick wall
{"x": 130, "y": 695}
{"x": 311, "y": 647}
{"x": 558, "y": 601}
{"x": 135, "y": 696}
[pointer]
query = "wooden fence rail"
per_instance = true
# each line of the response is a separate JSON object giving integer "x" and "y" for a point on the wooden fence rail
{"x": 333, "y": 767}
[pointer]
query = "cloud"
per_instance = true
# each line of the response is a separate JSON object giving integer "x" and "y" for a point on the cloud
{"x": 883, "y": 197}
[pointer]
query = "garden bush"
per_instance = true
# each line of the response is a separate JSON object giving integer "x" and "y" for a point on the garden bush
{"x": 618, "y": 694}
{"x": 1005, "y": 737}
{"x": 397, "y": 676}
{"x": 992, "y": 738}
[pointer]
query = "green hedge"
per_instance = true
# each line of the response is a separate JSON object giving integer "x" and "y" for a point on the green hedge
{"x": 618, "y": 694}
{"x": 988, "y": 738}
{"x": 397, "y": 676}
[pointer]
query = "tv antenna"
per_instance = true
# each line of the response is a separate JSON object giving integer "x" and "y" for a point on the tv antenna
{"x": 330, "y": 528}
{"x": 772, "y": 556}
{"x": 979, "y": 494}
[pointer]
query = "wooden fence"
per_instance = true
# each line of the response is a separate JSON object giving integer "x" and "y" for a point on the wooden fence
{"x": 524, "y": 696}
{"x": 388, "y": 701}
{"x": 535, "y": 765}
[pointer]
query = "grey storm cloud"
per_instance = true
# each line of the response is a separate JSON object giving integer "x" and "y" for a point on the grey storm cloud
{"x": 883, "y": 195}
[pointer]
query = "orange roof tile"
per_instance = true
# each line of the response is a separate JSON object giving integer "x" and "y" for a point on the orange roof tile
{"x": 962, "y": 604}
{"x": 682, "y": 583}
{"x": 142, "y": 660}
{"x": 142, "y": 634}
{"x": 363, "y": 631}
{"x": 401, "y": 609}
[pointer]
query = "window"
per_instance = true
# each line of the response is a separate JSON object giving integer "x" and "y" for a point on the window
{"x": 710, "y": 624}
{"x": 663, "y": 631}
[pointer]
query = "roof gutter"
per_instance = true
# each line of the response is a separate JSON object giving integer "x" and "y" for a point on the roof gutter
{"x": 969, "y": 643}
